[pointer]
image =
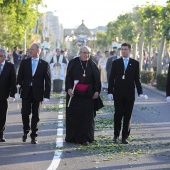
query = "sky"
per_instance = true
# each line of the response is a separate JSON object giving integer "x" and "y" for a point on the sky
{"x": 94, "y": 12}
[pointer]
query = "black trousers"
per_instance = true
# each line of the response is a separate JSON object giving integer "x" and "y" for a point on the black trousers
{"x": 123, "y": 110}
{"x": 30, "y": 105}
{"x": 3, "y": 113}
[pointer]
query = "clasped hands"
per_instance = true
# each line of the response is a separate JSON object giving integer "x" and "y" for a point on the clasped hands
{"x": 57, "y": 64}
{"x": 71, "y": 94}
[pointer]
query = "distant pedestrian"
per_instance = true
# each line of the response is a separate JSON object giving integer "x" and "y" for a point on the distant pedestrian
{"x": 113, "y": 56}
{"x": 154, "y": 64}
{"x": 16, "y": 58}
{"x": 166, "y": 60}
{"x": 58, "y": 66}
{"x": 102, "y": 67}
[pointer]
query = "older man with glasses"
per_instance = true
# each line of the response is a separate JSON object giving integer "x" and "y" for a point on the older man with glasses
{"x": 83, "y": 74}
{"x": 8, "y": 88}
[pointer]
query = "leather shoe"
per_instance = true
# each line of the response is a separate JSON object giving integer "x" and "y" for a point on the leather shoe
{"x": 85, "y": 143}
{"x": 125, "y": 141}
{"x": 115, "y": 138}
{"x": 24, "y": 138}
{"x": 34, "y": 141}
{"x": 2, "y": 139}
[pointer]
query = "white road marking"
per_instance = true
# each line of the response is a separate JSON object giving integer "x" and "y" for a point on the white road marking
{"x": 59, "y": 142}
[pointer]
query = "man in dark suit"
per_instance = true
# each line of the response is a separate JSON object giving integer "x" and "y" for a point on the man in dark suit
{"x": 168, "y": 86}
{"x": 34, "y": 81}
{"x": 123, "y": 79}
{"x": 16, "y": 58}
{"x": 8, "y": 88}
{"x": 112, "y": 57}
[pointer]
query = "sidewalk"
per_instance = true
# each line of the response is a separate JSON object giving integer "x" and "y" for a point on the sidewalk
{"x": 154, "y": 89}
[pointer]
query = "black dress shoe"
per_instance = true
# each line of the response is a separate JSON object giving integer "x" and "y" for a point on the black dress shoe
{"x": 24, "y": 138}
{"x": 115, "y": 139}
{"x": 2, "y": 139}
{"x": 34, "y": 141}
{"x": 85, "y": 143}
{"x": 125, "y": 141}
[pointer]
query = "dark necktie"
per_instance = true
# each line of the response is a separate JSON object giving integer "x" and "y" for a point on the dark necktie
{"x": 58, "y": 59}
{"x": 0, "y": 68}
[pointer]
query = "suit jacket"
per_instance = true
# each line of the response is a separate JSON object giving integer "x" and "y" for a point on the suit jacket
{"x": 168, "y": 83}
{"x": 109, "y": 65}
{"x": 41, "y": 80}
{"x": 7, "y": 81}
{"x": 124, "y": 88}
{"x": 16, "y": 57}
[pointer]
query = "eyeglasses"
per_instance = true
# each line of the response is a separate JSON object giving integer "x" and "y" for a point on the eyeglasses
{"x": 1, "y": 56}
{"x": 85, "y": 52}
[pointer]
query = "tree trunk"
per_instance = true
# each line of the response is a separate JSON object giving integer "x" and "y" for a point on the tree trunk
{"x": 134, "y": 50}
{"x": 159, "y": 59}
{"x": 150, "y": 55}
{"x": 150, "y": 44}
{"x": 141, "y": 43}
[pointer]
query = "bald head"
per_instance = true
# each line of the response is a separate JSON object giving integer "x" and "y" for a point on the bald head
{"x": 35, "y": 50}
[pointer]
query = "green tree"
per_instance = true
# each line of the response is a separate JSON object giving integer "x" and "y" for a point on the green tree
{"x": 102, "y": 41}
{"x": 17, "y": 18}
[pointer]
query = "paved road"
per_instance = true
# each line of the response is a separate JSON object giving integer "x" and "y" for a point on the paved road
{"x": 150, "y": 133}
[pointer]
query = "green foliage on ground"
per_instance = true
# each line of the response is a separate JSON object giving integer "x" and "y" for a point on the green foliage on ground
{"x": 103, "y": 146}
{"x": 53, "y": 108}
{"x": 106, "y": 109}
{"x": 59, "y": 96}
{"x": 103, "y": 123}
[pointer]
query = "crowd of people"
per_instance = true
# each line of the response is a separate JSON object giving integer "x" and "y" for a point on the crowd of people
{"x": 29, "y": 78}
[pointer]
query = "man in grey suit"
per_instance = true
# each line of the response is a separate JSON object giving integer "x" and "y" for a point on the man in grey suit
{"x": 123, "y": 79}
{"x": 7, "y": 88}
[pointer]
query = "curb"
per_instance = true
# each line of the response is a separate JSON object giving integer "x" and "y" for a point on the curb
{"x": 154, "y": 89}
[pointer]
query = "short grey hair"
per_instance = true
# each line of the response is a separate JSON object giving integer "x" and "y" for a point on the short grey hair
{"x": 37, "y": 45}
{"x": 4, "y": 52}
{"x": 88, "y": 48}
